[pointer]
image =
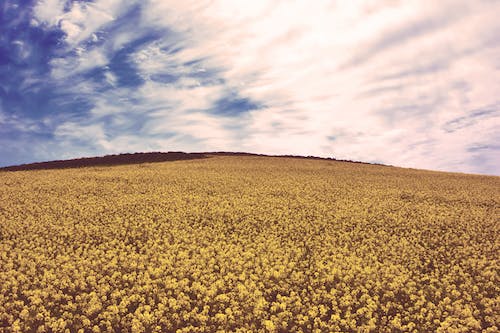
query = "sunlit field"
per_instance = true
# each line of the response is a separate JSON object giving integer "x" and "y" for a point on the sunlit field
{"x": 249, "y": 244}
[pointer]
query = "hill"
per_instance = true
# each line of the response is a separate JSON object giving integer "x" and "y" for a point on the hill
{"x": 248, "y": 243}
{"x": 108, "y": 160}
{"x": 138, "y": 158}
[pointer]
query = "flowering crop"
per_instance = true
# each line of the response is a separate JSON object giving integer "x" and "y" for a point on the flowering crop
{"x": 248, "y": 244}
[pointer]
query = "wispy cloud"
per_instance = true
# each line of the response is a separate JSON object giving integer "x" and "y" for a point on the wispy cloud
{"x": 410, "y": 83}
{"x": 471, "y": 119}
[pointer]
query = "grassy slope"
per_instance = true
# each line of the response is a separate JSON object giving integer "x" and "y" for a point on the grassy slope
{"x": 260, "y": 243}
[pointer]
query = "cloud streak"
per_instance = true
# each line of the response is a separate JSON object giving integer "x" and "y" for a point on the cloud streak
{"x": 410, "y": 83}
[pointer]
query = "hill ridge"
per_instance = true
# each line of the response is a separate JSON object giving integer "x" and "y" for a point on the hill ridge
{"x": 147, "y": 157}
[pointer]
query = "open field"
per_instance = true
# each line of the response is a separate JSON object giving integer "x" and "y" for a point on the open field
{"x": 249, "y": 244}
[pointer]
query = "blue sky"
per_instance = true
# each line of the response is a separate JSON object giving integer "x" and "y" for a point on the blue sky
{"x": 410, "y": 83}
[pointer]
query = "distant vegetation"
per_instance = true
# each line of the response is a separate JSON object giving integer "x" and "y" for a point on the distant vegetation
{"x": 248, "y": 244}
{"x": 108, "y": 160}
{"x": 138, "y": 158}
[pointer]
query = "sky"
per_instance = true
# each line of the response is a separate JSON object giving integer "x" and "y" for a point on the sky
{"x": 413, "y": 83}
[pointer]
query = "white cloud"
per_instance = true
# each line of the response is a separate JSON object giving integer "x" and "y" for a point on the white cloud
{"x": 85, "y": 60}
{"x": 366, "y": 80}
{"x": 110, "y": 78}
{"x": 82, "y": 19}
{"x": 311, "y": 62}
{"x": 49, "y": 11}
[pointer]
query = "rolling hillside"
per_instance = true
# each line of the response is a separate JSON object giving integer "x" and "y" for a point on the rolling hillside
{"x": 246, "y": 243}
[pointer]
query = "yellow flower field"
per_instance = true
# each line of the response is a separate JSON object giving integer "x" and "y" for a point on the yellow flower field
{"x": 249, "y": 244}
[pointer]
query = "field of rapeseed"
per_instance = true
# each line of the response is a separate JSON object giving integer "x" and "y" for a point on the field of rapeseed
{"x": 248, "y": 244}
